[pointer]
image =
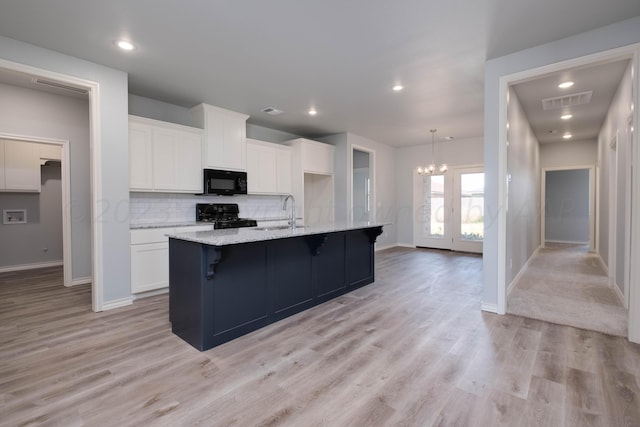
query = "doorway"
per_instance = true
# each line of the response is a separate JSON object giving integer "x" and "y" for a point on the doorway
{"x": 61, "y": 152}
{"x": 362, "y": 184}
{"x": 568, "y": 206}
{"x": 450, "y": 210}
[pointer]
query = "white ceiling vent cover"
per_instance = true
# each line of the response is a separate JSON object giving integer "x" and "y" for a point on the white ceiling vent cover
{"x": 567, "y": 101}
{"x": 273, "y": 111}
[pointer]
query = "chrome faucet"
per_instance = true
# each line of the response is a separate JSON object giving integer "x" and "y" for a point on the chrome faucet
{"x": 292, "y": 219}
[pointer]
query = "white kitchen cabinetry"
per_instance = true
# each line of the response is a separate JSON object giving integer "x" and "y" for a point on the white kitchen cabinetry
{"x": 150, "y": 257}
{"x": 313, "y": 156}
{"x": 19, "y": 166}
{"x": 225, "y": 134}
{"x": 49, "y": 152}
{"x": 312, "y": 180}
{"x": 268, "y": 168}
{"x": 164, "y": 157}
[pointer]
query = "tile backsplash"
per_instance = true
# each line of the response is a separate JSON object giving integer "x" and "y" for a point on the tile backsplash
{"x": 151, "y": 208}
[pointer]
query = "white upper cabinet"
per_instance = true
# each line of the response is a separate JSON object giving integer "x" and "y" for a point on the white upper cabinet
{"x": 19, "y": 166}
{"x": 268, "y": 168}
{"x": 164, "y": 157}
{"x": 140, "y": 155}
{"x": 315, "y": 157}
{"x": 50, "y": 152}
{"x": 225, "y": 137}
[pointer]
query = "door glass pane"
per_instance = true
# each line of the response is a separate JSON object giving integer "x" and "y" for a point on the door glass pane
{"x": 433, "y": 219}
{"x": 472, "y": 206}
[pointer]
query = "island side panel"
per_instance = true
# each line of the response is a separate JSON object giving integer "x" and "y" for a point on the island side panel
{"x": 240, "y": 292}
{"x": 186, "y": 271}
{"x": 359, "y": 258}
{"x": 290, "y": 276}
{"x": 329, "y": 268}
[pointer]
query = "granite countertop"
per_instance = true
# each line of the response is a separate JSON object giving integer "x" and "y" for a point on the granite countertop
{"x": 166, "y": 225}
{"x": 190, "y": 223}
{"x": 255, "y": 234}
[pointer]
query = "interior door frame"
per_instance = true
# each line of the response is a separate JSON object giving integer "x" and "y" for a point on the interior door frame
{"x": 592, "y": 201}
{"x": 95, "y": 143}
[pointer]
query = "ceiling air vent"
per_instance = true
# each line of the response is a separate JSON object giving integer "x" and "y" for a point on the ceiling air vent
{"x": 272, "y": 111}
{"x": 567, "y": 101}
{"x": 59, "y": 85}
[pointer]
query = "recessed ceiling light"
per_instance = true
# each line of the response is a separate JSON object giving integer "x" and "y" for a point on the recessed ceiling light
{"x": 567, "y": 136}
{"x": 398, "y": 88}
{"x": 313, "y": 112}
{"x": 565, "y": 85}
{"x": 124, "y": 45}
{"x": 566, "y": 116}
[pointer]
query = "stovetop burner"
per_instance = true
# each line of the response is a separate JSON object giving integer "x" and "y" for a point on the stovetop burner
{"x": 222, "y": 215}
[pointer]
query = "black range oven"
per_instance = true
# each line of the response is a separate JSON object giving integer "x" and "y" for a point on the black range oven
{"x": 222, "y": 215}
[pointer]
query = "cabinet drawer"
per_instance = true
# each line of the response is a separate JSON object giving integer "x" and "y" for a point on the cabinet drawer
{"x": 150, "y": 235}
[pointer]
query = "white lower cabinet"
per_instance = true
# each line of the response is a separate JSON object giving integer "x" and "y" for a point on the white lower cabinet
{"x": 150, "y": 256}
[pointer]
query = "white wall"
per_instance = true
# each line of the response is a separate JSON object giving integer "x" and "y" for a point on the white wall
{"x": 523, "y": 190}
{"x": 112, "y": 186}
{"x": 458, "y": 152}
{"x": 35, "y": 113}
{"x": 384, "y": 181}
{"x": 612, "y": 164}
{"x": 609, "y": 37}
{"x": 569, "y": 154}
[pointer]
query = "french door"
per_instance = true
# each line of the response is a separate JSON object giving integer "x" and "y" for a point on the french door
{"x": 450, "y": 210}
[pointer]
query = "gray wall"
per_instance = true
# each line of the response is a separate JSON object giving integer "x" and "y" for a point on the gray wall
{"x": 523, "y": 190}
{"x": 35, "y": 113}
{"x": 26, "y": 243}
{"x": 569, "y": 154}
{"x": 459, "y": 152}
{"x": 624, "y": 33}
{"x": 613, "y": 164}
{"x": 112, "y": 184}
{"x": 567, "y": 206}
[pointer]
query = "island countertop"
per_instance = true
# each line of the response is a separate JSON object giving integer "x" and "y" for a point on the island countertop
{"x": 256, "y": 234}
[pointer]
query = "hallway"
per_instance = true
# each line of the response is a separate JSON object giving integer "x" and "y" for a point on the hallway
{"x": 565, "y": 284}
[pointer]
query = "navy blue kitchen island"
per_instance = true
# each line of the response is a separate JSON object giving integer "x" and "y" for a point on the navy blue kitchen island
{"x": 226, "y": 283}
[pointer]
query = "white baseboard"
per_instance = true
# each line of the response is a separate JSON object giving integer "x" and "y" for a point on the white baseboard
{"x": 81, "y": 281}
{"x": 566, "y": 242}
{"x": 522, "y": 270}
{"x": 618, "y": 292}
{"x": 150, "y": 293}
{"x": 491, "y": 308}
{"x": 30, "y": 266}
{"x": 122, "y": 302}
{"x": 603, "y": 265}
{"x": 404, "y": 245}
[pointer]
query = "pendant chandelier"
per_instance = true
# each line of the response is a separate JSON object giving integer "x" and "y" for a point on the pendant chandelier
{"x": 431, "y": 169}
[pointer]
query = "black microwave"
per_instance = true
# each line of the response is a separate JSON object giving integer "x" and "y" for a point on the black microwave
{"x": 224, "y": 182}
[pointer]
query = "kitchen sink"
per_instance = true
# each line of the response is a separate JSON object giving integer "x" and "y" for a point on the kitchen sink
{"x": 277, "y": 227}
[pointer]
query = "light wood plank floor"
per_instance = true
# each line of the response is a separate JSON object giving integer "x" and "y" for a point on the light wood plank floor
{"x": 411, "y": 349}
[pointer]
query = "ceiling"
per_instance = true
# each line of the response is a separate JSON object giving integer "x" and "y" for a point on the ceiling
{"x": 340, "y": 57}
